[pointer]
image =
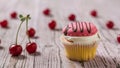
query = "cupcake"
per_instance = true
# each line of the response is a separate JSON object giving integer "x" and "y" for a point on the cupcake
{"x": 80, "y": 40}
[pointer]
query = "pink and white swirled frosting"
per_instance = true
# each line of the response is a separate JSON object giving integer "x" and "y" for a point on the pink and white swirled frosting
{"x": 80, "y": 29}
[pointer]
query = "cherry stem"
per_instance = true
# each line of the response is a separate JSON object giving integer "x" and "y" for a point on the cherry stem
{"x": 18, "y": 32}
{"x": 22, "y": 20}
{"x": 27, "y": 27}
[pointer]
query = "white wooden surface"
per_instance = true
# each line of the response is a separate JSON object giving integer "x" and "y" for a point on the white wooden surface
{"x": 50, "y": 53}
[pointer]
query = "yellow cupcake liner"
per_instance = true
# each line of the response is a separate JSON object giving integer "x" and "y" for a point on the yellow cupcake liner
{"x": 80, "y": 52}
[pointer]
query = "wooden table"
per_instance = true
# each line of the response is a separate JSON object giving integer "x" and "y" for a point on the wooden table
{"x": 50, "y": 52}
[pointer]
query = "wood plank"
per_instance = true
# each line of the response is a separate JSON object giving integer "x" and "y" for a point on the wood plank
{"x": 50, "y": 52}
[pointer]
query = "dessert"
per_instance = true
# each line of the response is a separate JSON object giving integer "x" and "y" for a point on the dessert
{"x": 80, "y": 40}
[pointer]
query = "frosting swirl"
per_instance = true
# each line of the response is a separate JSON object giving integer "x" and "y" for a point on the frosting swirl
{"x": 80, "y": 29}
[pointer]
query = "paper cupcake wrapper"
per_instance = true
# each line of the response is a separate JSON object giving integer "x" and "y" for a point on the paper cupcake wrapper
{"x": 80, "y": 52}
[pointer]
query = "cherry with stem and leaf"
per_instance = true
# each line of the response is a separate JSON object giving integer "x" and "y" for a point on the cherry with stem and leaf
{"x": 16, "y": 49}
{"x": 31, "y": 47}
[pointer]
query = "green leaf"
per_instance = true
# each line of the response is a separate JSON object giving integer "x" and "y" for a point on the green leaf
{"x": 22, "y": 19}
{"x": 21, "y": 16}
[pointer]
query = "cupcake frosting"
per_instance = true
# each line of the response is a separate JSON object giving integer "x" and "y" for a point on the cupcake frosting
{"x": 80, "y": 29}
{"x": 85, "y": 40}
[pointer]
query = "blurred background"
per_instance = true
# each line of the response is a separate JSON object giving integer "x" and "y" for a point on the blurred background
{"x": 99, "y": 12}
{"x": 107, "y": 9}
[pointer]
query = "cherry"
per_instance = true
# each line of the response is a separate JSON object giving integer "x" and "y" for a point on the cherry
{"x": 110, "y": 24}
{"x": 118, "y": 38}
{"x": 31, "y": 47}
{"x": 93, "y": 13}
{"x": 72, "y": 17}
{"x": 13, "y": 15}
{"x": 52, "y": 24}
{"x": 4, "y": 24}
{"x": 31, "y": 32}
{"x": 15, "y": 50}
{"x": 46, "y": 12}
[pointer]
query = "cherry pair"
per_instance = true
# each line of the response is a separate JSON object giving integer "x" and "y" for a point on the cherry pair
{"x": 16, "y": 50}
{"x": 31, "y": 47}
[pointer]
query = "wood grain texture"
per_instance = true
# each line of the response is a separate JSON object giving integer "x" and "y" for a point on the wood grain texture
{"x": 50, "y": 52}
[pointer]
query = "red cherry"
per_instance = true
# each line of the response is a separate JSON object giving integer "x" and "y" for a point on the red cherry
{"x": 31, "y": 47}
{"x": 110, "y": 24}
{"x": 46, "y": 12}
{"x": 15, "y": 50}
{"x": 52, "y": 24}
{"x": 31, "y": 32}
{"x": 13, "y": 15}
{"x": 72, "y": 17}
{"x": 94, "y": 13}
{"x": 4, "y": 24}
{"x": 118, "y": 38}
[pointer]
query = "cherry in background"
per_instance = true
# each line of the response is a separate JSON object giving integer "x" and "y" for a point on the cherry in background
{"x": 110, "y": 24}
{"x": 52, "y": 24}
{"x": 13, "y": 15}
{"x": 4, "y": 24}
{"x": 118, "y": 38}
{"x": 46, "y": 12}
{"x": 94, "y": 13}
{"x": 72, "y": 17}
{"x": 31, "y": 32}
